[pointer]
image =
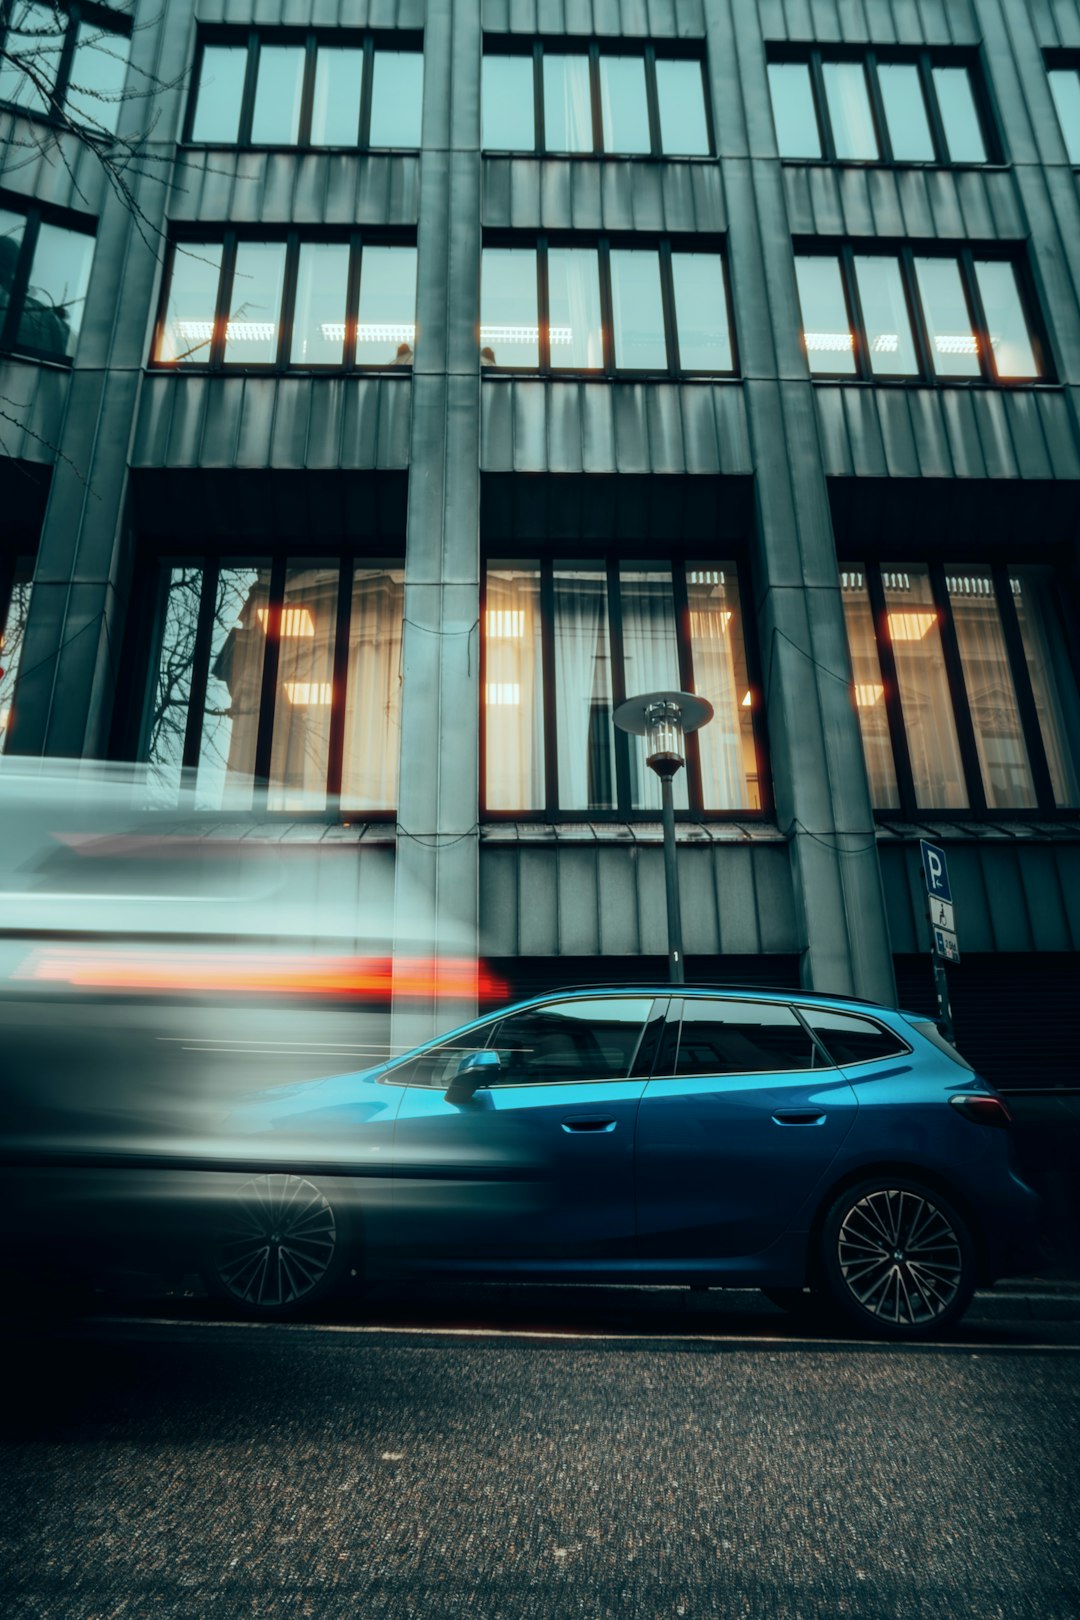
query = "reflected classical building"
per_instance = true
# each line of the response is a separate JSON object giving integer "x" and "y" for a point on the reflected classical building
{"x": 482, "y": 366}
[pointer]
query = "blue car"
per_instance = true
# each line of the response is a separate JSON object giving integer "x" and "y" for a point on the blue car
{"x": 822, "y": 1149}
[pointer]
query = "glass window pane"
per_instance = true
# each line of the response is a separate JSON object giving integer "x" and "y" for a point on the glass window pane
{"x": 742, "y": 1037}
{"x": 953, "y": 346}
{"x": 230, "y": 726}
{"x": 905, "y": 112}
{"x": 650, "y": 664}
{"x": 1036, "y": 596}
{"x": 999, "y": 735}
{"x": 850, "y": 1039}
{"x": 567, "y": 103}
{"x": 513, "y": 689}
{"x": 52, "y": 310}
{"x": 885, "y": 316}
{"x": 830, "y": 347}
{"x": 797, "y": 134}
{"x": 12, "y": 638}
{"x": 251, "y": 336}
{"x": 35, "y": 34}
{"x": 849, "y": 110}
{"x": 386, "y": 333}
{"x": 318, "y": 333}
{"x": 98, "y": 75}
{"x": 369, "y": 773}
{"x": 624, "y": 110}
{"x": 300, "y": 751}
{"x": 509, "y": 116}
{"x": 637, "y": 310}
{"x": 1065, "y": 84}
{"x": 729, "y": 770}
{"x": 869, "y": 691}
{"x": 680, "y": 92}
{"x": 397, "y": 98}
{"x": 221, "y": 91}
{"x": 574, "y": 303}
{"x": 335, "y": 112}
{"x": 963, "y": 132}
{"x": 1010, "y": 340}
{"x": 170, "y": 695}
{"x": 509, "y": 324}
{"x": 12, "y": 227}
{"x": 929, "y": 726}
{"x": 188, "y": 327}
{"x": 701, "y": 312}
{"x": 570, "y": 1040}
{"x": 583, "y": 724}
{"x": 278, "y": 89}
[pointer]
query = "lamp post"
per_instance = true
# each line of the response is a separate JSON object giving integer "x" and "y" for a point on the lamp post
{"x": 664, "y": 719}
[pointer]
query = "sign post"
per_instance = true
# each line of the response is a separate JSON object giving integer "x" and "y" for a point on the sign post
{"x": 942, "y": 919}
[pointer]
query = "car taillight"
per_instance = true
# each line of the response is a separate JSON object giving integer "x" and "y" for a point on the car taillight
{"x": 982, "y": 1110}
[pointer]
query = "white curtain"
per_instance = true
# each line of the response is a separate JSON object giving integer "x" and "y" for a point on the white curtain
{"x": 369, "y": 776}
{"x": 650, "y": 664}
{"x": 728, "y": 758}
{"x": 583, "y": 690}
{"x": 995, "y": 714}
{"x": 513, "y": 690}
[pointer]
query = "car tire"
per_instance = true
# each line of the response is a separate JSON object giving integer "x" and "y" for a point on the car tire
{"x": 897, "y": 1259}
{"x": 279, "y": 1246}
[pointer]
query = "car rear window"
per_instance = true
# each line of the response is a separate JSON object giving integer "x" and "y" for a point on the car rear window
{"x": 850, "y": 1038}
{"x": 931, "y": 1033}
{"x": 741, "y": 1037}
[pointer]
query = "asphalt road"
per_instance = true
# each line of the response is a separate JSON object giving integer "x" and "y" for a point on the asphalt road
{"x": 529, "y": 1458}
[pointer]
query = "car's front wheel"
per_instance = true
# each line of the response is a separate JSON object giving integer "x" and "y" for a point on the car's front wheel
{"x": 897, "y": 1259}
{"x": 278, "y": 1247}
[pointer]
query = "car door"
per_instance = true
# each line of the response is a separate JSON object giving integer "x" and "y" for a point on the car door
{"x": 735, "y": 1130}
{"x": 537, "y": 1167}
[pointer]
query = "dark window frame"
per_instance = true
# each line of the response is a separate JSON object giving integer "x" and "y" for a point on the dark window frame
{"x": 671, "y": 1040}
{"x": 904, "y": 253}
{"x": 77, "y": 11}
{"x": 648, "y": 51}
{"x": 622, "y": 810}
{"x": 366, "y": 39}
{"x": 926, "y": 59}
{"x": 1060, "y": 59}
{"x": 36, "y": 214}
{"x": 357, "y": 238}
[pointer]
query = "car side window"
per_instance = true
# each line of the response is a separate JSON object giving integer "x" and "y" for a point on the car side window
{"x": 741, "y": 1037}
{"x": 570, "y": 1040}
{"x": 850, "y": 1038}
{"x": 438, "y": 1065}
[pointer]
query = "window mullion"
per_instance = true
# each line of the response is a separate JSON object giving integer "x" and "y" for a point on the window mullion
{"x": 652, "y": 100}
{"x": 271, "y": 663}
{"x": 352, "y": 301}
{"x": 758, "y": 717}
{"x": 594, "y": 97}
{"x": 67, "y": 56}
{"x": 543, "y": 309}
{"x": 607, "y": 313}
{"x": 905, "y": 781}
{"x": 224, "y": 302}
{"x": 200, "y": 666}
{"x": 855, "y": 314}
{"x": 539, "y": 129}
{"x": 367, "y": 83}
{"x": 877, "y": 108}
{"x": 685, "y": 649}
{"x": 618, "y": 688}
{"x": 21, "y": 279}
{"x": 933, "y": 111}
{"x": 338, "y": 694}
{"x": 1025, "y": 696}
{"x": 954, "y": 670}
{"x": 287, "y": 311}
{"x": 307, "y": 94}
{"x": 919, "y": 330}
{"x": 817, "y": 81}
{"x": 551, "y": 696}
{"x": 247, "y": 104}
{"x": 667, "y": 298}
{"x": 977, "y": 313}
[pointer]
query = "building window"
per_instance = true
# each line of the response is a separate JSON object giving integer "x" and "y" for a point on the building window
{"x": 288, "y": 302}
{"x": 1064, "y": 79}
{"x": 607, "y": 307}
{"x": 594, "y": 99}
{"x": 913, "y": 107}
{"x": 914, "y": 314}
{"x": 963, "y": 685}
{"x": 67, "y": 59}
{"x": 564, "y": 644}
{"x": 307, "y": 89}
{"x": 279, "y": 675}
{"x": 16, "y": 583}
{"x": 44, "y": 274}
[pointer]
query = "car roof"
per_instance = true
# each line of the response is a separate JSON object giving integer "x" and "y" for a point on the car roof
{"x": 734, "y": 992}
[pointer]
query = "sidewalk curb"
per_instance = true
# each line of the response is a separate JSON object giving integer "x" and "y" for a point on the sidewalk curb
{"x": 1058, "y": 1306}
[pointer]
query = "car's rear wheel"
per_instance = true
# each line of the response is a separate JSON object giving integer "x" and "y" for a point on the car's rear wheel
{"x": 279, "y": 1246}
{"x": 897, "y": 1259}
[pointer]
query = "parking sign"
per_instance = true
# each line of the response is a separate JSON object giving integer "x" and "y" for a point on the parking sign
{"x": 935, "y": 871}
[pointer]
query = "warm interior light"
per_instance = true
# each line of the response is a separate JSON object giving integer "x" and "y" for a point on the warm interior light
{"x": 504, "y": 694}
{"x": 747, "y": 701}
{"x": 294, "y": 621}
{"x": 704, "y": 624}
{"x": 705, "y": 576}
{"x": 868, "y": 693}
{"x": 5, "y": 716}
{"x": 910, "y": 626}
{"x": 316, "y": 694}
{"x": 829, "y": 342}
{"x": 506, "y": 623}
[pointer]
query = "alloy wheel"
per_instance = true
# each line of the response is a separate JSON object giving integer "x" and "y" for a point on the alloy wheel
{"x": 278, "y": 1244}
{"x": 900, "y": 1257}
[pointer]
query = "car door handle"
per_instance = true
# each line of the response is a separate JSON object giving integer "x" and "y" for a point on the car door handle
{"x": 798, "y": 1116}
{"x": 592, "y": 1126}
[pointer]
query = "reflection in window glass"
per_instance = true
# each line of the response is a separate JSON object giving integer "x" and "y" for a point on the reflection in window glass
{"x": 890, "y": 345}
{"x": 509, "y": 324}
{"x": 386, "y": 332}
{"x": 905, "y": 112}
{"x": 397, "y": 95}
{"x": 1010, "y": 340}
{"x": 300, "y": 751}
{"x": 849, "y": 110}
{"x": 1065, "y": 84}
{"x": 729, "y": 772}
{"x": 624, "y": 110}
{"x": 701, "y": 315}
{"x": 732, "y": 1037}
{"x": 221, "y": 92}
{"x": 170, "y": 695}
{"x": 830, "y": 347}
{"x": 1035, "y": 594}
{"x": 568, "y": 123}
{"x": 680, "y": 93}
{"x": 513, "y": 689}
{"x": 953, "y": 345}
{"x": 915, "y": 634}
{"x": 12, "y": 638}
{"x": 509, "y": 118}
{"x": 963, "y": 132}
{"x": 189, "y": 317}
{"x": 373, "y": 690}
{"x": 583, "y": 724}
{"x": 869, "y": 691}
{"x": 335, "y": 112}
{"x": 797, "y": 134}
{"x": 570, "y": 1040}
{"x": 12, "y": 227}
{"x": 230, "y": 727}
{"x": 35, "y": 34}
{"x": 276, "y": 119}
{"x": 318, "y": 331}
{"x": 251, "y": 337}
{"x": 995, "y": 714}
{"x": 574, "y": 305}
{"x": 650, "y": 664}
{"x": 98, "y": 75}
{"x": 637, "y": 311}
{"x": 55, "y": 297}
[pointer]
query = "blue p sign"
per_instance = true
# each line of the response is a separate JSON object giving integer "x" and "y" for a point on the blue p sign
{"x": 935, "y": 871}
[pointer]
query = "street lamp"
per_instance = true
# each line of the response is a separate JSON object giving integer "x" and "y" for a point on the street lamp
{"x": 664, "y": 719}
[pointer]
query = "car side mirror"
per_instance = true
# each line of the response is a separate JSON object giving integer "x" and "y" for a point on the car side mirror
{"x": 475, "y": 1070}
